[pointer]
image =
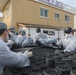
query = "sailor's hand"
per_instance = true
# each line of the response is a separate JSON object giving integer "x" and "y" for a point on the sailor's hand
{"x": 10, "y": 42}
{"x": 28, "y": 53}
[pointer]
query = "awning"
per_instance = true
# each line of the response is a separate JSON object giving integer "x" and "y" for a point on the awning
{"x": 39, "y": 26}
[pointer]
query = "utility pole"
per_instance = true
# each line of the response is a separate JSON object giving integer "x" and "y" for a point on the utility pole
{"x": 67, "y": 23}
{"x": 58, "y": 28}
{"x": 29, "y": 30}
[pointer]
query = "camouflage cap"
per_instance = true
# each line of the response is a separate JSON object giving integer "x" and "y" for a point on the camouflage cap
{"x": 12, "y": 28}
{"x": 22, "y": 32}
{"x": 68, "y": 30}
{"x": 3, "y": 25}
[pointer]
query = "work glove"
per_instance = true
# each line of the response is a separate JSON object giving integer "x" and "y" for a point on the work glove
{"x": 10, "y": 42}
{"x": 28, "y": 53}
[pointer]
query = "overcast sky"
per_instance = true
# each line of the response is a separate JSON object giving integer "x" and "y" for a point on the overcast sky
{"x": 1, "y": 14}
{"x": 69, "y": 2}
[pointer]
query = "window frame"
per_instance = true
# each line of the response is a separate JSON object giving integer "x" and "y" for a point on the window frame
{"x": 7, "y": 11}
{"x": 68, "y": 18}
{"x": 45, "y": 31}
{"x": 44, "y": 9}
{"x": 56, "y": 16}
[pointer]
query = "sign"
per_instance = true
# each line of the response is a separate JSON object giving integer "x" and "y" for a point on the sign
{"x": 52, "y": 2}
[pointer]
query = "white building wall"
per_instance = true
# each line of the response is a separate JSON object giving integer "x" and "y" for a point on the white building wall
{"x": 61, "y": 33}
{"x": 32, "y": 31}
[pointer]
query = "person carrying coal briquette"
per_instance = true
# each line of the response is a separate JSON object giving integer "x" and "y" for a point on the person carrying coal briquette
{"x": 39, "y": 35}
{"x": 8, "y": 57}
{"x": 68, "y": 42}
{"x": 50, "y": 40}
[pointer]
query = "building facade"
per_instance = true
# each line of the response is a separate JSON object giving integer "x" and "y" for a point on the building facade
{"x": 1, "y": 19}
{"x": 46, "y": 14}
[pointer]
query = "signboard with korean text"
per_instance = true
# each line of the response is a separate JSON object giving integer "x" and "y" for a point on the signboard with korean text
{"x": 51, "y": 2}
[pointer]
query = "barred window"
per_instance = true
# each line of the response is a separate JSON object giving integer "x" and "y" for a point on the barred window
{"x": 43, "y": 12}
{"x": 56, "y": 16}
{"x": 67, "y": 18}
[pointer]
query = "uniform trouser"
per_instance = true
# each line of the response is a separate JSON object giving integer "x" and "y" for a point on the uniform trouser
{"x": 6, "y": 72}
{"x": 38, "y": 43}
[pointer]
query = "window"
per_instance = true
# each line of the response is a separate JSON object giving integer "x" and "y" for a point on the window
{"x": 56, "y": 16}
{"x": 46, "y": 32}
{"x": 67, "y": 18}
{"x": 7, "y": 11}
{"x": 43, "y": 12}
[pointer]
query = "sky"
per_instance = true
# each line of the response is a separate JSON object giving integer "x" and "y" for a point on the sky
{"x": 69, "y": 2}
{"x": 1, "y": 14}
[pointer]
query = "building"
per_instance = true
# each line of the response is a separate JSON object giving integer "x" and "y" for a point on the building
{"x": 30, "y": 14}
{"x": 1, "y": 19}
